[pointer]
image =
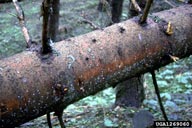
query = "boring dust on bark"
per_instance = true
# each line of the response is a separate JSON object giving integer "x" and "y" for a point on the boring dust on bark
{"x": 73, "y": 17}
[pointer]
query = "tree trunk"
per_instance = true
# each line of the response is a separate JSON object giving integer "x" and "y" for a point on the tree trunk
{"x": 54, "y": 21}
{"x": 116, "y": 11}
{"x": 130, "y": 93}
{"x": 45, "y": 40}
{"x": 32, "y": 84}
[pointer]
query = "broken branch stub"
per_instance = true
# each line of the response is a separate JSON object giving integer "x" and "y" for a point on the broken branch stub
{"x": 31, "y": 85}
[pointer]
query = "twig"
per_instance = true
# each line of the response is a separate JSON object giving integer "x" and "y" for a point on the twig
{"x": 169, "y": 3}
{"x": 21, "y": 18}
{"x": 174, "y": 58}
{"x": 136, "y": 6}
{"x": 49, "y": 120}
{"x": 146, "y": 11}
{"x": 12, "y": 14}
{"x": 90, "y": 23}
{"x": 158, "y": 95}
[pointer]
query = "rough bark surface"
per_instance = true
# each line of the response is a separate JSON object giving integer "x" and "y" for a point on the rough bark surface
{"x": 130, "y": 93}
{"x": 45, "y": 40}
{"x": 117, "y": 6}
{"x": 32, "y": 84}
{"x": 54, "y": 21}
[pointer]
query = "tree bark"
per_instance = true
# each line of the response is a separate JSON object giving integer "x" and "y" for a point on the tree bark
{"x": 45, "y": 39}
{"x": 54, "y": 21}
{"x": 116, "y": 11}
{"x": 130, "y": 93}
{"x": 32, "y": 84}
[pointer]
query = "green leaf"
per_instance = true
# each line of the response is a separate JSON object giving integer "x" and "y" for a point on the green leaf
{"x": 166, "y": 96}
{"x": 162, "y": 83}
{"x": 188, "y": 86}
{"x": 169, "y": 77}
{"x": 151, "y": 103}
{"x": 124, "y": 14}
{"x": 183, "y": 80}
{"x": 172, "y": 105}
{"x": 167, "y": 72}
{"x": 108, "y": 122}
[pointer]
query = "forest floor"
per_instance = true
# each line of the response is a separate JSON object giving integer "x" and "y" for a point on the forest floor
{"x": 175, "y": 80}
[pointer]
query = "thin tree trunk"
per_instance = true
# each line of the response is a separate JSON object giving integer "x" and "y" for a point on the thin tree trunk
{"x": 54, "y": 21}
{"x": 45, "y": 41}
{"x": 129, "y": 93}
{"x": 116, "y": 11}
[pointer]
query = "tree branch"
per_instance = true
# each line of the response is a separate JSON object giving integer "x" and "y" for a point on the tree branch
{"x": 136, "y": 6}
{"x": 21, "y": 18}
{"x": 146, "y": 11}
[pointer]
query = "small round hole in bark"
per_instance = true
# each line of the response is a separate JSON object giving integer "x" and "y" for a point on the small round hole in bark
{"x": 94, "y": 40}
{"x": 122, "y": 30}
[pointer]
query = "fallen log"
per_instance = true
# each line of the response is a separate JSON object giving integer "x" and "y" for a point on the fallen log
{"x": 31, "y": 84}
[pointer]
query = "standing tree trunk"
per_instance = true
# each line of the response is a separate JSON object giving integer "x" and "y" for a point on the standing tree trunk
{"x": 117, "y": 6}
{"x": 54, "y": 21}
{"x": 46, "y": 11}
{"x": 131, "y": 91}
